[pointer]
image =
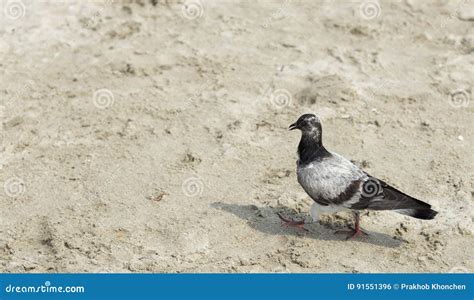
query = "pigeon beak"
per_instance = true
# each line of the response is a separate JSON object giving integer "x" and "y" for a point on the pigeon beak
{"x": 292, "y": 126}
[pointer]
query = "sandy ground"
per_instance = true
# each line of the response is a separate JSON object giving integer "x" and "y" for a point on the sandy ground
{"x": 151, "y": 137}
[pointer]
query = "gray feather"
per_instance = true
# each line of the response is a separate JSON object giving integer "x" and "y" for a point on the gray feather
{"x": 332, "y": 180}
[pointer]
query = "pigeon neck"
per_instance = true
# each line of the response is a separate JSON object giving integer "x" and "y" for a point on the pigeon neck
{"x": 311, "y": 147}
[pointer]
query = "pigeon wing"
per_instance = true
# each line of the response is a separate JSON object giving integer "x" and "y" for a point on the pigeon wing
{"x": 376, "y": 194}
{"x": 344, "y": 197}
{"x": 332, "y": 181}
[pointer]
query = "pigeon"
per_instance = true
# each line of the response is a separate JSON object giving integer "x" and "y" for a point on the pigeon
{"x": 335, "y": 183}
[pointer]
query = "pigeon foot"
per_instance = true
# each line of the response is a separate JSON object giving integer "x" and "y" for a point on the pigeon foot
{"x": 352, "y": 233}
{"x": 292, "y": 223}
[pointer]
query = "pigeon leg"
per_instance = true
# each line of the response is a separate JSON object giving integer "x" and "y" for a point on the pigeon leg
{"x": 292, "y": 223}
{"x": 353, "y": 232}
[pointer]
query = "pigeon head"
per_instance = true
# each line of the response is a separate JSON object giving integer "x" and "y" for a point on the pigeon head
{"x": 311, "y": 145}
{"x": 307, "y": 123}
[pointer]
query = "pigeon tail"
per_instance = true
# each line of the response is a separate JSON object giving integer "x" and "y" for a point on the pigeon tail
{"x": 391, "y": 198}
{"x": 419, "y": 213}
{"x": 407, "y": 205}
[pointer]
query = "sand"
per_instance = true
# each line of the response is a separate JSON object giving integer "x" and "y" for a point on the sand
{"x": 151, "y": 136}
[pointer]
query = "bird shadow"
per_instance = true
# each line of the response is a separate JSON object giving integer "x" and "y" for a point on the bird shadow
{"x": 266, "y": 220}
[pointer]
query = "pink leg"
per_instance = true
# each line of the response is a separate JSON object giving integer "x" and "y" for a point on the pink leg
{"x": 352, "y": 233}
{"x": 292, "y": 223}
